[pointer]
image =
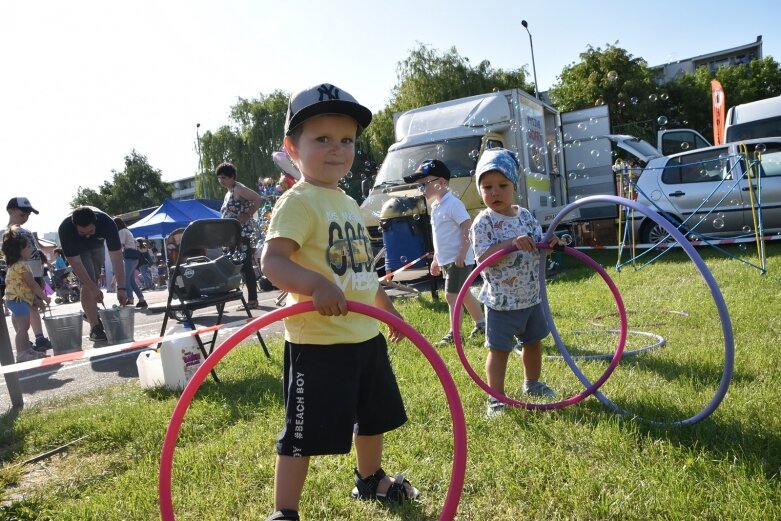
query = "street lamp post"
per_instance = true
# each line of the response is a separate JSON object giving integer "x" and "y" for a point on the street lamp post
{"x": 534, "y": 67}
{"x": 200, "y": 160}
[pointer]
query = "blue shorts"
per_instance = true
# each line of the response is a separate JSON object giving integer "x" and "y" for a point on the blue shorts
{"x": 334, "y": 391}
{"x": 502, "y": 327}
{"x": 18, "y": 308}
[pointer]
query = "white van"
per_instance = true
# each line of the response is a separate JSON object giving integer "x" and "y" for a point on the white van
{"x": 753, "y": 120}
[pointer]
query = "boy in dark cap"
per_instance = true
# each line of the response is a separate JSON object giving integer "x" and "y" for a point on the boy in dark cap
{"x": 338, "y": 380}
{"x": 450, "y": 225}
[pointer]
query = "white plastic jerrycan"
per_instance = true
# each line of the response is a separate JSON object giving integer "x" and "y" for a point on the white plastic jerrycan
{"x": 150, "y": 369}
{"x": 180, "y": 358}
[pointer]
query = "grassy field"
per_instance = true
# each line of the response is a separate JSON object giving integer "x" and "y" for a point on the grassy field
{"x": 583, "y": 462}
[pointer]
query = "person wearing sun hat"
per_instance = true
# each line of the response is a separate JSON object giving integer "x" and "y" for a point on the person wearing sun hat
{"x": 19, "y": 210}
{"x": 339, "y": 385}
{"x": 511, "y": 286}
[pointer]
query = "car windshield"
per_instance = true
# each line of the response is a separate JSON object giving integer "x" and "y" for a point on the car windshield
{"x": 460, "y": 156}
{"x": 643, "y": 147}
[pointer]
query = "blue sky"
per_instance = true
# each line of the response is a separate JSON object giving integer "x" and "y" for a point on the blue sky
{"x": 86, "y": 82}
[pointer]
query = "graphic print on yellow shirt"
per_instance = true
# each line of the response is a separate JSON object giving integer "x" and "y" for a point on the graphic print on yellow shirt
{"x": 329, "y": 230}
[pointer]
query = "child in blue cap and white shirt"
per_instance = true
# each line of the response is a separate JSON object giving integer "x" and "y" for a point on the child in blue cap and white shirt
{"x": 511, "y": 286}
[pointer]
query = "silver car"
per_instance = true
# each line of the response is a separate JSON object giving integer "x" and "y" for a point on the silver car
{"x": 716, "y": 192}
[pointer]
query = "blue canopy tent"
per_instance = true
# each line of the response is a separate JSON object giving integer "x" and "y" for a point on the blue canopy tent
{"x": 171, "y": 215}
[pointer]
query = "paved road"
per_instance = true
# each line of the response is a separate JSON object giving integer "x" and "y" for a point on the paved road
{"x": 40, "y": 385}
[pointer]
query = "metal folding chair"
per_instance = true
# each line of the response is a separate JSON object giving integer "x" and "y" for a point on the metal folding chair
{"x": 207, "y": 273}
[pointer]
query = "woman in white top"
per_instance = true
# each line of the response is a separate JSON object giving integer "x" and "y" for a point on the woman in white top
{"x": 130, "y": 254}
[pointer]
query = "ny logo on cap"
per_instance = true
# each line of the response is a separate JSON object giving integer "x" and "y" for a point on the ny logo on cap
{"x": 328, "y": 91}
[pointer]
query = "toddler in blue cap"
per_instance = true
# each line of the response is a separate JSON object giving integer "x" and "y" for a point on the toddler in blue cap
{"x": 511, "y": 286}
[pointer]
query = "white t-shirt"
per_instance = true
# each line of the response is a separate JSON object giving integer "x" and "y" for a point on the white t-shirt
{"x": 447, "y": 215}
{"x": 513, "y": 282}
{"x": 127, "y": 240}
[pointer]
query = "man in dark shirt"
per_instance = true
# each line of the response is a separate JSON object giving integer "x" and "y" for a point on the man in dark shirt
{"x": 82, "y": 235}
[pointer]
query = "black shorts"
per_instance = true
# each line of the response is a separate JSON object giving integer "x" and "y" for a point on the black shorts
{"x": 334, "y": 391}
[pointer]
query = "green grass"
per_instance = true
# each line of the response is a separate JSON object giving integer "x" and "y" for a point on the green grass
{"x": 582, "y": 462}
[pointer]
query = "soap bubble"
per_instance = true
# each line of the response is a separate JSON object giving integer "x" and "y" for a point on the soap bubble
{"x": 582, "y": 126}
{"x": 599, "y": 102}
{"x": 581, "y": 166}
{"x": 760, "y": 148}
{"x": 742, "y": 247}
{"x": 593, "y": 121}
{"x": 684, "y": 145}
{"x": 595, "y": 153}
{"x": 634, "y": 100}
{"x": 566, "y": 239}
{"x": 656, "y": 195}
{"x": 612, "y": 76}
{"x": 661, "y": 120}
{"x": 403, "y": 259}
{"x": 664, "y": 96}
{"x": 621, "y": 104}
{"x": 718, "y": 223}
{"x": 652, "y": 98}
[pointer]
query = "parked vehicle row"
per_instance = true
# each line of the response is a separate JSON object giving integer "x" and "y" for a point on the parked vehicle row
{"x": 708, "y": 192}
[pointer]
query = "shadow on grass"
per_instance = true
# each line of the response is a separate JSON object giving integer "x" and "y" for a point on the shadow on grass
{"x": 751, "y": 445}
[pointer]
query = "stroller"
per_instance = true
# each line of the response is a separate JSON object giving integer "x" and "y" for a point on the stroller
{"x": 66, "y": 286}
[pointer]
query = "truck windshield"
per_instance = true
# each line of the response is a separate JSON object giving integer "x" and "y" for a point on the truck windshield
{"x": 769, "y": 127}
{"x": 460, "y": 156}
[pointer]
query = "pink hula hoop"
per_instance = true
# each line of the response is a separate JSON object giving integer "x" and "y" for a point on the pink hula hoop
{"x": 591, "y": 389}
{"x": 456, "y": 487}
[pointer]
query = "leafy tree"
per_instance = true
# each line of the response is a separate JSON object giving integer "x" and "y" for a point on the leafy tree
{"x": 427, "y": 76}
{"x": 614, "y": 77}
{"x": 257, "y": 131}
{"x": 742, "y": 83}
{"x": 640, "y": 104}
{"x": 138, "y": 186}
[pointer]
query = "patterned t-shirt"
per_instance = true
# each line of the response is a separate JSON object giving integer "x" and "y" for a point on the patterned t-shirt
{"x": 233, "y": 207}
{"x": 15, "y": 287}
{"x": 513, "y": 282}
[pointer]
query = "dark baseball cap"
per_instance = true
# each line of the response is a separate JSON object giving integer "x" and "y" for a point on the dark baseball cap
{"x": 22, "y": 203}
{"x": 429, "y": 167}
{"x": 324, "y": 99}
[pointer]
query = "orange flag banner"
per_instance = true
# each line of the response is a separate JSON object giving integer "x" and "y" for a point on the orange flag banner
{"x": 719, "y": 102}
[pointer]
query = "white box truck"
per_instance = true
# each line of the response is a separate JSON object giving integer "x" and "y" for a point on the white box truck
{"x": 456, "y": 132}
{"x": 753, "y": 120}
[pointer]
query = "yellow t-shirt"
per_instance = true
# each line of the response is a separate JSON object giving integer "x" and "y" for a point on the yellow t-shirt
{"x": 329, "y": 230}
{"x": 15, "y": 287}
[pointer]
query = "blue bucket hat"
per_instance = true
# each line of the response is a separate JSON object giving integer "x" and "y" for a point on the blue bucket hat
{"x": 501, "y": 160}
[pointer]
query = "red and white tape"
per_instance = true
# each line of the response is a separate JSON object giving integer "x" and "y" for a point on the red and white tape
{"x": 117, "y": 348}
{"x": 393, "y": 273}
